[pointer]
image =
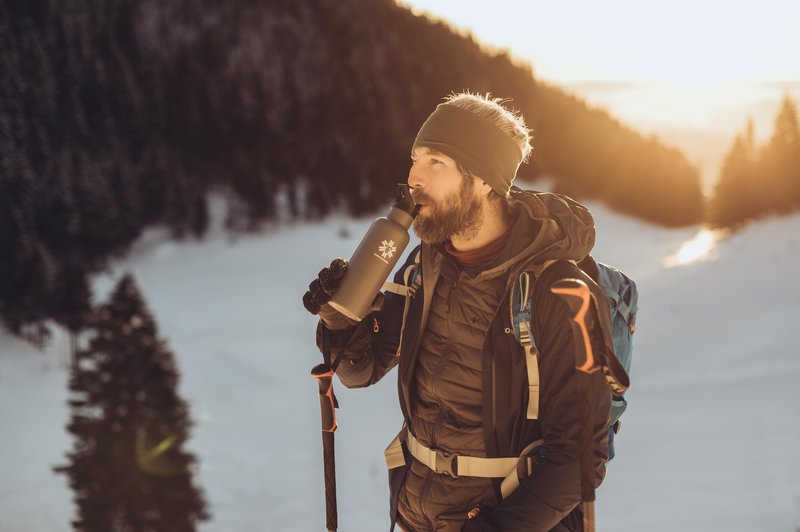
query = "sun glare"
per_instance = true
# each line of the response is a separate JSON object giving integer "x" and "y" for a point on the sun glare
{"x": 699, "y": 248}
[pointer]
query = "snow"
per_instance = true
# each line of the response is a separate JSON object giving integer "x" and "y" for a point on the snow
{"x": 709, "y": 442}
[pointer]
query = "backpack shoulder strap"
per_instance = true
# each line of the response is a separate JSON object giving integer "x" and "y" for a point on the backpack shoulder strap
{"x": 412, "y": 279}
{"x": 521, "y": 316}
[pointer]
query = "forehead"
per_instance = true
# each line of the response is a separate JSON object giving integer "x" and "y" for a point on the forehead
{"x": 430, "y": 152}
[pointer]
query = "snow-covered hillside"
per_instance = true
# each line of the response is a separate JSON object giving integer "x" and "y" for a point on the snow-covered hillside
{"x": 710, "y": 441}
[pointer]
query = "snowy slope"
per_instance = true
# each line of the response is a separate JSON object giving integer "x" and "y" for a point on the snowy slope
{"x": 710, "y": 441}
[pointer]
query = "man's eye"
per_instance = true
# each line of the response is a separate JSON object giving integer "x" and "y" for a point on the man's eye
{"x": 436, "y": 161}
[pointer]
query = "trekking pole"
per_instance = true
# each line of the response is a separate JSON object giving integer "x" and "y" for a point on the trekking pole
{"x": 327, "y": 402}
{"x": 587, "y": 466}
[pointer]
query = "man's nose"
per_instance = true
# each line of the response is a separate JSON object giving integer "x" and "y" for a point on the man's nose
{"x": 415, "y": 177}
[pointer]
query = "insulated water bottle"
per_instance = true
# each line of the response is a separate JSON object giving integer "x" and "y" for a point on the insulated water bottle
{"x": 379, "y": 251}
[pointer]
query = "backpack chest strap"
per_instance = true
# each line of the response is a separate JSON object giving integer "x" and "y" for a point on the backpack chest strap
{"x": 399, "y": 289}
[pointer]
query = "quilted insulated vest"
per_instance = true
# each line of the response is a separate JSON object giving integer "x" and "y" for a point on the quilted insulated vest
{"x": 447, "y": 401}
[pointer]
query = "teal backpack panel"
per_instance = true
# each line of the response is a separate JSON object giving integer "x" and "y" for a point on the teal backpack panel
{"x": 623, "y": 300}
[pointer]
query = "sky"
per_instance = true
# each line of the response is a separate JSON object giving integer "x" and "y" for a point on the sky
{"x": 692, "y": 72}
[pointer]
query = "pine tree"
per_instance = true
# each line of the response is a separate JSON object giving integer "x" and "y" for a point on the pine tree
{"x": 128, "y": 470}
{"x": 754, "y": 182}
{"x": 736, "y": 195}
{"x": 781, "y": 160}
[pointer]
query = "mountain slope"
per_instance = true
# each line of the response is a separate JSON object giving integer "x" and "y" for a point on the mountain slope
{"x": 708, "y": 443}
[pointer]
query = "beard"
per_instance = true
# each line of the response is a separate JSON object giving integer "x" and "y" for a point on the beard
{"x": 460, "y": 213}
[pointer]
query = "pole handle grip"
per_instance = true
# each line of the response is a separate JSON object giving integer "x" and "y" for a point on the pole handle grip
{"x": 324, "y": 375}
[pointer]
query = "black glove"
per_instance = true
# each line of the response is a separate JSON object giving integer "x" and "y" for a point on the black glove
{"x": 350, "y": 344}
{"x": 322, "y": 289}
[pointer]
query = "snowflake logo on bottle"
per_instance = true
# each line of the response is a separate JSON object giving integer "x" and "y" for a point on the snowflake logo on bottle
{"x": 387, "y": 249}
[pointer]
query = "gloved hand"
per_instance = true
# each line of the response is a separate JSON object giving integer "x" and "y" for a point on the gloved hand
{"x": 322, "y": 289}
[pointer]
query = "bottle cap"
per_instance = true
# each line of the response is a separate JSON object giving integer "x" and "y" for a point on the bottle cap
{"x": 404, "y": 200}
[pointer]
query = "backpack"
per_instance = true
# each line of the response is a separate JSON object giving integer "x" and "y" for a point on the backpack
{"x": 622, "y": 297}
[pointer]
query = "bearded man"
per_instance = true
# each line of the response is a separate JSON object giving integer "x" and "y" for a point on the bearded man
{"x": 464, "y": 385}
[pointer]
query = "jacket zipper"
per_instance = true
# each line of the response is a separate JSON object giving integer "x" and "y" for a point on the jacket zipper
{"x": 445, "y": 359}
{"x": 434, "y": 377}
{"x": 494, "y": 395}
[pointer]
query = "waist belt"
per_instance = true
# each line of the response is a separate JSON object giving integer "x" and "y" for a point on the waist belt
{"x": 457, "y": 465}
{"x": 512, "y": 469}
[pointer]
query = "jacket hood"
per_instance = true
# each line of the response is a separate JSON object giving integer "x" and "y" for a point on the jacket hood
{"x": 545, "y": 226}
{"x": 572, "y": 236}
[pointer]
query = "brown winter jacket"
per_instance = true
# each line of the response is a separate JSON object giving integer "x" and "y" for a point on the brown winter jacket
{"x": 462, "y": 378}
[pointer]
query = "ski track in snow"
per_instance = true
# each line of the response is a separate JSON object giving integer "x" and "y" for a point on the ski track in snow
{"x": 709, "y": 442}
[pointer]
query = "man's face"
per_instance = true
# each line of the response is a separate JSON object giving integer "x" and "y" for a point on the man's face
{"x": 449, "y": 204}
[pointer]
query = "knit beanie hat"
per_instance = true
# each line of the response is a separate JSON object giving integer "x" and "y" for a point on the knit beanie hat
{"x": 474, "y": 142}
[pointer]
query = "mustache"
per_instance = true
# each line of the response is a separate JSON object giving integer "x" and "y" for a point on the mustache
{"x": 420, "y": 198}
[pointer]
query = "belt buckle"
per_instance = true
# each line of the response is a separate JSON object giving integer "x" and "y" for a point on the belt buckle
{"x": 445, "y": 462}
